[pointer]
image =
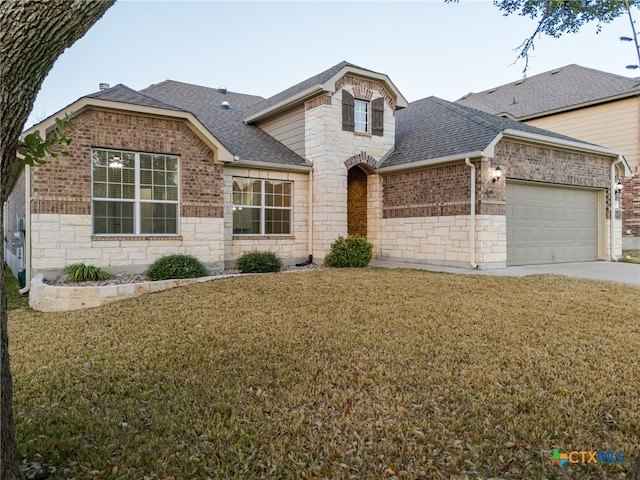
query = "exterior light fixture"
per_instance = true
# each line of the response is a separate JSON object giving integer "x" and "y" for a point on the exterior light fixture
{"x": 497, "y": 173}
{"x": 115, "y": 162}
{"x": 618, "y": 186}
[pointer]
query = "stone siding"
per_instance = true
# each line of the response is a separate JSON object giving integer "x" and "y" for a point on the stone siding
{"x": 328, "y": 147}
{"x": 444, "y": 240}
{"x": 59, "y": 240}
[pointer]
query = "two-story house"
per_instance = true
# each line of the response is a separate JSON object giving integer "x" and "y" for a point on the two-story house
{"x": 180, "y": 168}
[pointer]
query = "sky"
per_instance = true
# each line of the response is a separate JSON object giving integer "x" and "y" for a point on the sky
{"x": 263, "y": 47}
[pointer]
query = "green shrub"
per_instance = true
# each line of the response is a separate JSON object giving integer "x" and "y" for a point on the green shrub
{"x": 350, "y": 251}
{"x": 79, "y": 272}
{"x": 259, "y": 262}
{"x": 171, "y": 267}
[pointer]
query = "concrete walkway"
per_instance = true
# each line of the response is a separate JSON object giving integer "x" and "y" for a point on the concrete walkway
{"x": 614, "y": 271}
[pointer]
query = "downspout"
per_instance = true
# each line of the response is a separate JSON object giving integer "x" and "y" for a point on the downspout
{"x": 310, "y": 239}
{"x": 472, "y": 216}
{"x": 309, "y": 260}
{"x": 27, "y": 229}
{"x": 612, "y": 209}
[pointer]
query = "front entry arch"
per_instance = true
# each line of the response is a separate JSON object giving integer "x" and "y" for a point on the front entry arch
{"x": 357, "y": 201}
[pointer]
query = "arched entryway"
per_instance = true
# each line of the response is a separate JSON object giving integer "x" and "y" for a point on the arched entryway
{"x": 357, "y": 201}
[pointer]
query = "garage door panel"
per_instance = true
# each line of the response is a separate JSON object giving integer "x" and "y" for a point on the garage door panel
{"x": 548, "y": 224}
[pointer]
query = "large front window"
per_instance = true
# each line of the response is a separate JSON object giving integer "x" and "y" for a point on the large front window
{"x": 134, "y": 193}
{"x": 261, "y": 207}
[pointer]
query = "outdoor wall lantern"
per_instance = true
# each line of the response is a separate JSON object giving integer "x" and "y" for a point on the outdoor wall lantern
{"x": 497, "y": 173}
{"x": 618, "y": 186}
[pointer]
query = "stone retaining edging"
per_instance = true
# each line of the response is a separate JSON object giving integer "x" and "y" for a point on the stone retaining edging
{"x": 57, "y": 298}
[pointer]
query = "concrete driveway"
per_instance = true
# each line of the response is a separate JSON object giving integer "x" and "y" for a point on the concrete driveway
{"x": 614, "y": 271}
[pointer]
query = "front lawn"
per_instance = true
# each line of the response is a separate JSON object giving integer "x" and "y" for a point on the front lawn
{"x": 349, "y": 374}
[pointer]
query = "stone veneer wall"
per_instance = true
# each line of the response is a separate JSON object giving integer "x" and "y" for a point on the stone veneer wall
{"x": 291, "y": 248}
{"x": 444, "y": 240}
{"x": 328, "y": 147}
{"x": 61, "y": 197}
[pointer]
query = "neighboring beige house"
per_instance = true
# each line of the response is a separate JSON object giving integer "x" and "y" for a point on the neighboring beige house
{"x": 180, "y": 168}
{"x": 592, "y": 105}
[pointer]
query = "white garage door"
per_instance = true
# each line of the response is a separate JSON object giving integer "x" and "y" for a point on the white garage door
{"x": 551, "y": 224}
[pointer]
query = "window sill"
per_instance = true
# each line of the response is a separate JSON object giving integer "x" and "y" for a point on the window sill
{"x": 263, "y": 237}
{"x": 362, "y": 134}
{"x": 112, "y": 238}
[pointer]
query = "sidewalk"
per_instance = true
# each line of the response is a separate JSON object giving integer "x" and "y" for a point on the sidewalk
{"x": 613, "y": 271}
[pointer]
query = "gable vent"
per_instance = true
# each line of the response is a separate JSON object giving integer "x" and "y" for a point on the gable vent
{"x": 222, "y": 89}
{"x": 225, "y": 105}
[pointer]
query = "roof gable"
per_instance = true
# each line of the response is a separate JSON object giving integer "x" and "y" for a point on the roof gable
{"x": 560, "y": 89}
{"x": 321, "y": 83}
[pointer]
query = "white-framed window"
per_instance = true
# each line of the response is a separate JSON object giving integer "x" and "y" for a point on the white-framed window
{"x": 134, "y": 193}
{"x": 361, "y": 115}
{"x": 262, "y": 207}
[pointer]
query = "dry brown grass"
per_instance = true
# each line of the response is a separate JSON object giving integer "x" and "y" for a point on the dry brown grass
{"x": 360, "y": 374}
{"x": 630, "y": 256}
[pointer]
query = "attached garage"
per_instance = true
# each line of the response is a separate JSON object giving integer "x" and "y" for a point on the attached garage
{"x": 551, "y": 224}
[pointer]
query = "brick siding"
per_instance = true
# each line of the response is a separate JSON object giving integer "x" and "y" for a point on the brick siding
{"x": 444, "y": 190}
{"x": 63, "y": 185}
{"x": 631, "y": 204}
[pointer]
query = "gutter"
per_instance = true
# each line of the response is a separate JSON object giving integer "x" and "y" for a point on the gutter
{"x": 472, "y": 216}
{"x": 270, "y": 166}
{"x": 427, "y": 163}
{"x": 27, "y": 231}
{"x": 612, "y": 193}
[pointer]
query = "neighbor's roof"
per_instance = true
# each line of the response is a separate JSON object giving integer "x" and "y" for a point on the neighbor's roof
{"x": 557, "y": 90}
{"x": 433, "y": 128}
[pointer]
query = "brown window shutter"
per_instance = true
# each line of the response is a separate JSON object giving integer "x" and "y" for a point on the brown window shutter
{"x": 348, "y": 123}
{"x": 377, "y": 117}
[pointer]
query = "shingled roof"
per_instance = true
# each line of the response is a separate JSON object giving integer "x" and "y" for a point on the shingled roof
{"x": 246, "y": 141}
{"x": 557, "y": 90}
{"x": 122, "y": 93}
{"x": 298, "y": 88}
{"x": 433, "y": 128}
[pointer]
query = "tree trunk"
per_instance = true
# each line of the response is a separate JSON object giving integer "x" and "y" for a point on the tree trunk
{"x": 33, "y": 34}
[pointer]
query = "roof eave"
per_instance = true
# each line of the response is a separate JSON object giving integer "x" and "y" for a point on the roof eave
{"x": 270, "y": 166}
{"x": 285, "y": 104}
{"x": 401, "y": 102}
{"x": 428, "y": 163}
{"x": 327, "y": 87}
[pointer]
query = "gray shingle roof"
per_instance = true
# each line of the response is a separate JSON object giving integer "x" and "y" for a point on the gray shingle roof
{"x": 124, "y": 94}
{"x": 247, "y": 141}
{"x": 434, "y": 128}
{"x": 291, "y": 92}
{"x": 557, "y": 89}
